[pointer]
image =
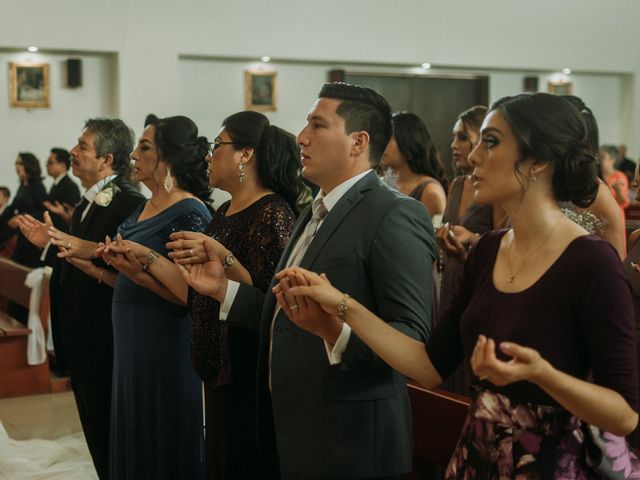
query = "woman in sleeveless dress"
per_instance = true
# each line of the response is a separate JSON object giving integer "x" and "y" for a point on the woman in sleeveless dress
{"x": 414, "y": 160}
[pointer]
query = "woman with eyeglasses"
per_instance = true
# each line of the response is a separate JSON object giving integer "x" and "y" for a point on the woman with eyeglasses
{"x": 258, "y": 164}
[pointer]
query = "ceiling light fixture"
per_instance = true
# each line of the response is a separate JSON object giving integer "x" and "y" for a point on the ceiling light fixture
{"x": 426, "y": 65}
{"x": 33, "y": 49}
{"x": 266, "y": 58}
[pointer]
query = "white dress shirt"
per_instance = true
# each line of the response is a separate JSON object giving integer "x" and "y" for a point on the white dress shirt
{"x": 330, "y": 200}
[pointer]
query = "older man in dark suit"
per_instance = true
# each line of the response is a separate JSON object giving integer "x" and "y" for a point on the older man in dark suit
{"x": 339, "y": 412}
{"x": 81, "y": 304}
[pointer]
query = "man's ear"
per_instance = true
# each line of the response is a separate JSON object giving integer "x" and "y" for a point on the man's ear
{"x": 108, "y": 161}
{"x": 361, "y": 142}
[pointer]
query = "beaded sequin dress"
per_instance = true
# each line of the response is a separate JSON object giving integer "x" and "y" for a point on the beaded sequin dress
{"x": 224, "y": 356}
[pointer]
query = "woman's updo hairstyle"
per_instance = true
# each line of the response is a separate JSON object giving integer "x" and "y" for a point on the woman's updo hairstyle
{"x": 184, "y": 151}
{"x": 415, "y": 143}
{"x": 593, "y": 135}
{"x": 277, "y": 154}
{"x": 549, "y": 129}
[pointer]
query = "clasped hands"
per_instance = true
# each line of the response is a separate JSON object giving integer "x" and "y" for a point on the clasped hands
{"x": 310, "y": 302}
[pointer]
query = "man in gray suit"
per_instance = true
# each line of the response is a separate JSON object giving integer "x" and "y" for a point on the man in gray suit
{"x": 339, "y": 412}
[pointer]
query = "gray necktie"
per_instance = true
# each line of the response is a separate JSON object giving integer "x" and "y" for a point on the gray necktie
{"x": 297, "y": 253}
{"x": 319, "y": 212}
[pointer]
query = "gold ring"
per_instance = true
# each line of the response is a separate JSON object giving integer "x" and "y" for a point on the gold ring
{"x": 191, "y": 253}
{"x": 69, "y": 245}
{"x": 294, "y": 306}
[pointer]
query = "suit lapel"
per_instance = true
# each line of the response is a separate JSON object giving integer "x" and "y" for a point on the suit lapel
{"x": 337, "y": 215}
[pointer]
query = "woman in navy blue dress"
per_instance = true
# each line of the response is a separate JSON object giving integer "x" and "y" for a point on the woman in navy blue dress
{"x": 156, "y": 424}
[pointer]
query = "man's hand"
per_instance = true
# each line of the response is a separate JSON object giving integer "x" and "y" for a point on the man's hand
{"x": 71, "y": 246}
{"x": 207, "y": 278}
{"x": 304, "y": 311}
{"x": 64, "y": 211}
{"x": 34, "y": 230}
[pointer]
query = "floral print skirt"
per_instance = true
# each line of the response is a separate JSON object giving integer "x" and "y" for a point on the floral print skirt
{"x": 502, "y": 439}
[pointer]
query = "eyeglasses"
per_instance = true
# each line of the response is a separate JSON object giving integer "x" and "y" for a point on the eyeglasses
{"x": 213, "y": 146}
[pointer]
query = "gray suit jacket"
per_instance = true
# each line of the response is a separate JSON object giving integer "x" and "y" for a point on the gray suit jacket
{"x": 350, "y": 420}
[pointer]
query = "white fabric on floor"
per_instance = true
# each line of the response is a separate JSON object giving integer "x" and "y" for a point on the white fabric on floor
{"x": 66, "y": 458}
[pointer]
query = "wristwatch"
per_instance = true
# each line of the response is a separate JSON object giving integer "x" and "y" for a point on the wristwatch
{"x": 228, "y": 260}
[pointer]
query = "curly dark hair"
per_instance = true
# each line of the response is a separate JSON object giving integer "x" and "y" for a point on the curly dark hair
{"x": 277, "y": 153}
{"x": 184, "y": 151}
{"x": 31, "y": 166}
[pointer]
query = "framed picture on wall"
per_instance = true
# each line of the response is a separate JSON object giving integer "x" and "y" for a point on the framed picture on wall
{"x": 260, "y": 91}
{"x": 560, "y": 87}
{"x": 29, "y": 85}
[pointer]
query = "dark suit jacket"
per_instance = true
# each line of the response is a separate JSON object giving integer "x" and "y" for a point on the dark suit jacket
{"x": 65, "y": 192}
{"x": 351, "y": 420}
{"x": 80, "y": 306}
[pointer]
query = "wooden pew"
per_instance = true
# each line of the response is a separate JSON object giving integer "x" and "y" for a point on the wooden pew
{"x": 17, "y": 378}
{"x": 438, "y": 417}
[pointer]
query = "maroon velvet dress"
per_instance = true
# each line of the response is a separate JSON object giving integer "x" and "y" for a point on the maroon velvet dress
{"x": 579, "y": 316}
{"x": 225, "y": 357}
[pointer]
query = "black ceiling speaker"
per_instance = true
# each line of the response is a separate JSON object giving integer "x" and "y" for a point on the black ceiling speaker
{"x": 74, "y": 72}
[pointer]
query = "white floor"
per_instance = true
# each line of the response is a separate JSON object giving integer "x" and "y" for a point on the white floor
{"x": 41, "y": 439}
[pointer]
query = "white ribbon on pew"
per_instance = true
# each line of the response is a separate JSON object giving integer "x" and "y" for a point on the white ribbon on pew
{"x": 36, "y": 343}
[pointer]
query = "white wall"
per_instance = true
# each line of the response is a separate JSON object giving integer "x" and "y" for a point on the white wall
{"x": 37, "y": 130}
{"x": 151, "y": 40}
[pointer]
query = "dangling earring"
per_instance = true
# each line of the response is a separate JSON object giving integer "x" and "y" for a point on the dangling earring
{"x": 533, "y": 179}
{"x": 241, "y": 171}
{"x": 168, "y": 181}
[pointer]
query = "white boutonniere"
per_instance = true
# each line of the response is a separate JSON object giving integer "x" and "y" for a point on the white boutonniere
{"x": 104, "y": 196}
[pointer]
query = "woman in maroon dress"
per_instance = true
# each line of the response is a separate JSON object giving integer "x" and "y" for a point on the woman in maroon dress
{"x": 542, "y": 308}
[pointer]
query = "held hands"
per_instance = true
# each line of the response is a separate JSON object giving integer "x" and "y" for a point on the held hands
{"x": 189, "y": 248}
{"x": 309, "y": 300}
{"x": 34, "y": 230}
{"x": 525, "y": 364}
{"x": 207, "y": 278}
{"x": 119, "y": 254}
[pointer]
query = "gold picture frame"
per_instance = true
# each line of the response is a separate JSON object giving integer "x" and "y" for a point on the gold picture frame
{"x": 260, "y": 91}
{"x": 29, "y": 85}
{"x": 560, "y": 87}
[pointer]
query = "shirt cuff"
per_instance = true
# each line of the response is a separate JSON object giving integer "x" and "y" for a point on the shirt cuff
{"x": 45, "y": 251}
{"x": 229, "y": 297}
{"x": 335, "y": 353}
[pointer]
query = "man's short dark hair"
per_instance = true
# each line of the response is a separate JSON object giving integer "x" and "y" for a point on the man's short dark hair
{"x": 363, "y": 109}
{"x": 115, "y": 138}
{"x": 5, "y": 191}
{"x": 62, "y": 156}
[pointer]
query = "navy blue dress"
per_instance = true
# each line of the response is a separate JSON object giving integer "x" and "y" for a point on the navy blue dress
{"x": 156, "y": 409}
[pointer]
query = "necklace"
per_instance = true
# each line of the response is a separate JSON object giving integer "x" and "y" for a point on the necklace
{"x": 528, "y": 254}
